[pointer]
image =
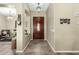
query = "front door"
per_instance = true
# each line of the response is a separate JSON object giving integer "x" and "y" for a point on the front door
{"x": 38, "y": 27}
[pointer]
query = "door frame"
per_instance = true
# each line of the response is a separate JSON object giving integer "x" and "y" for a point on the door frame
{"x": 44, "y": 26}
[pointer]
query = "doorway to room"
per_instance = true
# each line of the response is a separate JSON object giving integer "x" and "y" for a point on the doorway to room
{"x": 38, "y": 28}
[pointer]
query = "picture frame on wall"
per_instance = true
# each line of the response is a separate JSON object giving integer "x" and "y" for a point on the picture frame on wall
{"x": 19, "y": 19}
{"x": 15, "y": 23}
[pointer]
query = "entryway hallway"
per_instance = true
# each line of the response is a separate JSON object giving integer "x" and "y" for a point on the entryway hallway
{"x": 57, "y": 24}
{"x": 38, "y": 47}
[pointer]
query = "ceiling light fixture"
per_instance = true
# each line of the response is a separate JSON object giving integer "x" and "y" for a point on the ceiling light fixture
{"x": 38, "y": 7}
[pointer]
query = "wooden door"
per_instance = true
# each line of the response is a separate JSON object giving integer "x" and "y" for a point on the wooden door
{"x": 38, "y": 27}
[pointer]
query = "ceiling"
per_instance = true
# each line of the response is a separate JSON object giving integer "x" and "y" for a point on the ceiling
{"x": 43, "y": 6}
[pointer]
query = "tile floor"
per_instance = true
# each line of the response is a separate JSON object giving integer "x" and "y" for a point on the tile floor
{"x": 35, "y": 47}
{"x": 38, "y": 47}
{"x": 5, "y": 48}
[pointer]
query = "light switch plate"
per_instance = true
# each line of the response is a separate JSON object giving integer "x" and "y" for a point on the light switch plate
{"x": 76, "y": 13}
{"x": 78, "y": 23}
{"x": 52, "y": 30}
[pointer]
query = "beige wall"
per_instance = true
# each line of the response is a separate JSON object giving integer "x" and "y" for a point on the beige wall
{"x": 66, "y": 36}
{"x": 38, "y": 14}
{"x": 10, "y": 23}
{"x": 26, "y": 25}
{"x": 6, "y": 23}
{"x": 19, "y": 39}
{"x": 22, "y": 39}
{"x": 50, "y": 24}
{"x": 3, "y": 22}
{"x": 75, "y": 46}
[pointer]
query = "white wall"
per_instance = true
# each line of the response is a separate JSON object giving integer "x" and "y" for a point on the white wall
{"x": 40, "y": 14}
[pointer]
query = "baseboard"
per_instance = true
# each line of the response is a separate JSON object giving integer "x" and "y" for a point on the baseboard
{"x": 31, "y": 39}
{"x": 45, "y": 39}
{"x": 26, "y": 45}
{"x": 67, "y": 51}
{"x": 24, "y": 48}
{"x": 61, "y": 51}
{"x": 51, "y": 47}
{"x": 19, "y": 51}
